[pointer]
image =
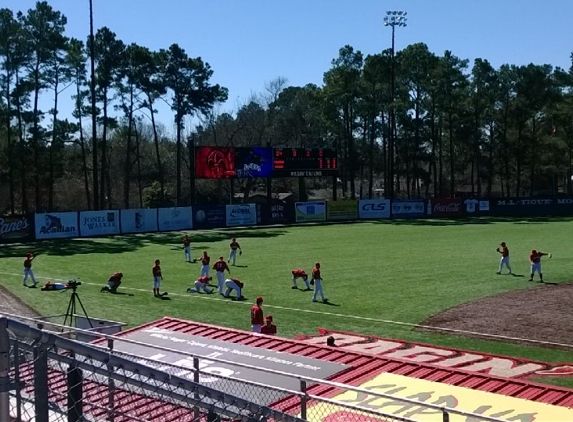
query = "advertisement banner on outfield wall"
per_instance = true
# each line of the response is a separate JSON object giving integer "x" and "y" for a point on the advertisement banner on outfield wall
{"x": 531, "y": 207}
{"x": 444, "y": 207}
{"x": 241, "y": 215}
{"x": 475, "y": 206}
{"x": 342, "y": 210}
{"x": 408, "y": 208}
{"x": 277, "y": 213}
{"x": 209, "y": 216}
{"x": 310, "y": 211}
{"x": 374, "y": 208}
{"x": 176, "y": 218}
{"x": 141, "y": 220}
{"x": 99, "y": 223}
{"x": 57, "y": 225}
{"x": 16, "y": 228}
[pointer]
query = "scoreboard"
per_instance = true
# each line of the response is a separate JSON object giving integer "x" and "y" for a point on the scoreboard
{"x": 300, "y": 162}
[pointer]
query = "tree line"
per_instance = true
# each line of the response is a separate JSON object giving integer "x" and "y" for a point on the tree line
{"x": 458, "y": 129}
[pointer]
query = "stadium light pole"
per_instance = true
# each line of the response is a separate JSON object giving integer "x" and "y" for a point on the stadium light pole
{"x": 393, "y": 19}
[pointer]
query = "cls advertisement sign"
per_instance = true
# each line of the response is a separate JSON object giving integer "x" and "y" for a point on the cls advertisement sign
{"x": 342, "y": 210}
{"x": 310, "y": 211}
{"x": 206, "y": 217}
{"x": 374, "y": 208}
{"x": 57, "y": 225}
{"x": 177, "y": 218}
{"x": 241, "y": 215}
{"x": 408, "y": 208}
{"x": 16, "y": 228}
{"x": 99, "y": 223}
{"x": 139, "y": 220}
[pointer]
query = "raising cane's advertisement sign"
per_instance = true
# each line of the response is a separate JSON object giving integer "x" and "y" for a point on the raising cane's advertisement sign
{"x": 444, "y": 207}
{"x": 18, "y": 228}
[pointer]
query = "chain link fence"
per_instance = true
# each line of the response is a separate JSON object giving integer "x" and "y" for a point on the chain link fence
{"x": 47, "y": 377}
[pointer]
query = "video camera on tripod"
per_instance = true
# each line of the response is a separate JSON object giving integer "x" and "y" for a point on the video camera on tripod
{"x": 73, "y": 284}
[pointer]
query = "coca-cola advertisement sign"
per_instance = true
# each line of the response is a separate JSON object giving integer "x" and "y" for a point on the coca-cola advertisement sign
{"x": 16, "y": 228}
{"x": 444, "y": 207}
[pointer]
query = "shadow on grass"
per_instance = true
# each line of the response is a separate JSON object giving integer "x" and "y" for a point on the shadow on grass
{"x": 471, "y": 220}
{"x": 128, "y": 243}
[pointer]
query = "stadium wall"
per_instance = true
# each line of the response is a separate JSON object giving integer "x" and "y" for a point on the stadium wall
{"x": 26, "y": 228}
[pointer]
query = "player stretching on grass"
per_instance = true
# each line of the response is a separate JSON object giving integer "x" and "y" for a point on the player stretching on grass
{"x": 201, "y": 284}
{"x": 317, "y": 281}
{"x": 504, "y": 251}
{"x": 298, "y": 273}
{"x": 535, "y": 260}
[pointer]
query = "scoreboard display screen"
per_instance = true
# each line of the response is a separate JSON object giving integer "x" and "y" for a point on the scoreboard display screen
{"x": 303, "y": 162}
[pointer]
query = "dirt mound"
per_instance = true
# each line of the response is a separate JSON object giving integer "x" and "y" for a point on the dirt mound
{"x": 11, "y": 304}
{"x": 542, "y": 313}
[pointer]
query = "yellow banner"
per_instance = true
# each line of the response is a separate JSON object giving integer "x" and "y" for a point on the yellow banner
{"x": 443, "y": 395}
{"x": 342, "y": 210}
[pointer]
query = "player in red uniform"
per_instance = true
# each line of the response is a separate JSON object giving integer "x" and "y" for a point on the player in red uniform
{"x": 201, "y": 284}
{"x": 220, "y": 266}
{"x": 113, "y": 283}
{"x": 298, "y": 273}
{"x": 28, "y": 270}
{"x": 269, "y": 328}
{"x": 157, "y": 277}
{"x": 234, "y": 245}
{"x": 535, "y": 260}
{"x": 317, "y": 279}
{"x": 187, "y": 248}
{"x": 257, "y": 315}
{"x": 205, "y": 261}
{"x": 236, "y": 285}
{"x": 504, "y": 251}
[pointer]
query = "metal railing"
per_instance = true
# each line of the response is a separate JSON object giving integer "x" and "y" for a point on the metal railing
{"x": 46, "y": 377}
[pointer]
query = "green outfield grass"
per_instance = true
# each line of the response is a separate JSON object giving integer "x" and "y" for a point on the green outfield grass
{"x": 402, "y": 271}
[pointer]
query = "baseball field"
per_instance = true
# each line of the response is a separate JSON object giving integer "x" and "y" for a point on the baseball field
{"x": 381, "y": 278}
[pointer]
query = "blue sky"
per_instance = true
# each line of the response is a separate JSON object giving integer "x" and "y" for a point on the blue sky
{"x": 251, "y": 42}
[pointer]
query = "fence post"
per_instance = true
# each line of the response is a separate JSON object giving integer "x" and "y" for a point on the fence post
{"x": 445, "y": 416}
{"x": 196, "y": 412}
{"x": 110, "y": 386}
{"x": 75, "y": 393}
{"x": 4, "y": 371}
{"x": 303, "y": 399}
{"x": 41, "y": 383}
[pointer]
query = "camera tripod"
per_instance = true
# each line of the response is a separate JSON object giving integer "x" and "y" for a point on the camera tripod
{"x": 72, "y": 307}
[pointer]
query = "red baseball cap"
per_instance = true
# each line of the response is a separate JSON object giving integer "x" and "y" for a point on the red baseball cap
{"x": 259, "y": 298}
{"x": 269, "y": 317}
{"x": 29, "y": 254}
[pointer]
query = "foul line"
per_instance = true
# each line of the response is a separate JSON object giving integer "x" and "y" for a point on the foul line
{"x": 333, "y": 314}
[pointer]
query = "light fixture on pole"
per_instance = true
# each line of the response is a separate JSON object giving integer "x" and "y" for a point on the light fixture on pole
{"x": 393, "y": 18}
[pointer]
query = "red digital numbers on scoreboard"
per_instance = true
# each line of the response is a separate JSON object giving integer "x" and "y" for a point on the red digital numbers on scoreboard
{"x": 300, "y": 162}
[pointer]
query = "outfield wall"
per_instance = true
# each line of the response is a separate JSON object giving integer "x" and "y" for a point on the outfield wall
{"x": 116, "y": 222}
